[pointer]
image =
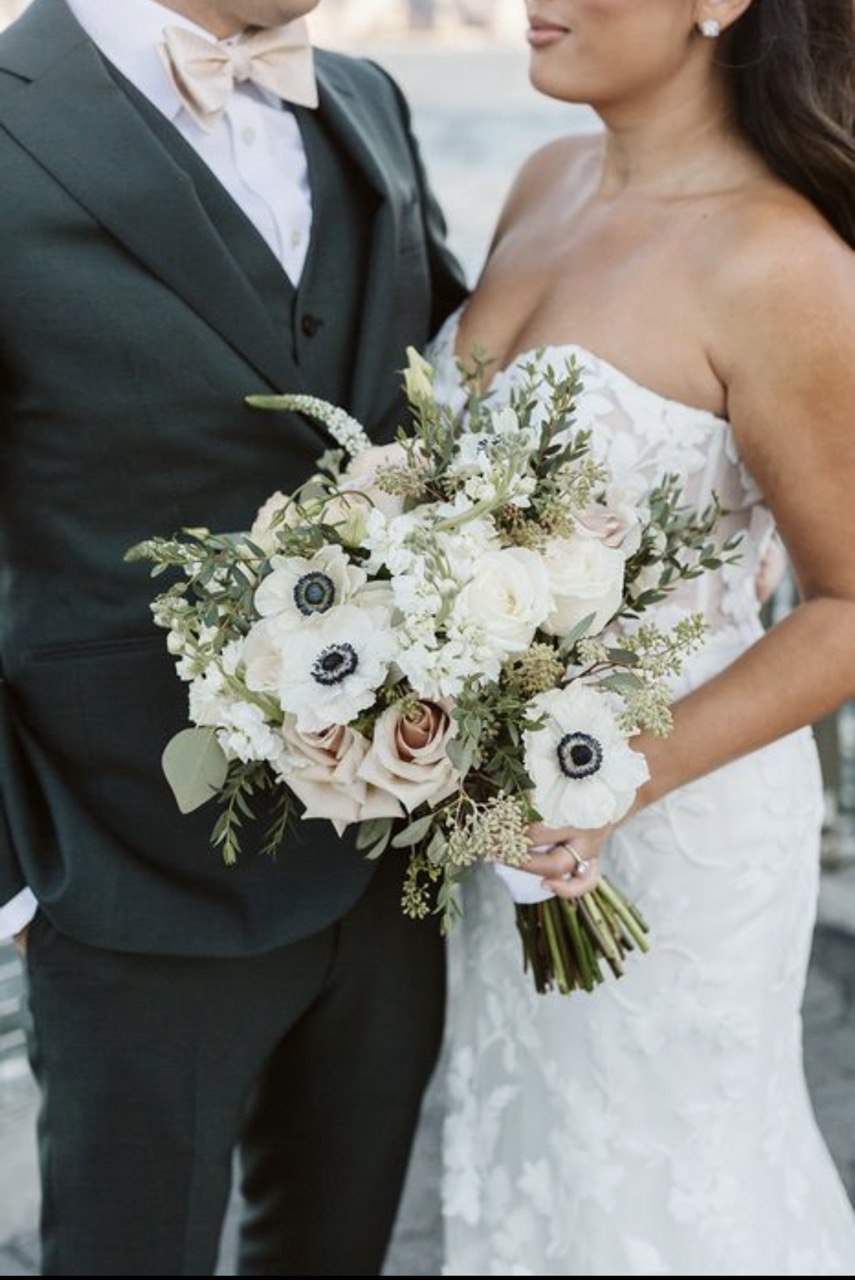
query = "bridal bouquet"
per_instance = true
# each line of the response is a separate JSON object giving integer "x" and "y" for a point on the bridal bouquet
{"x": 441, "y": 640}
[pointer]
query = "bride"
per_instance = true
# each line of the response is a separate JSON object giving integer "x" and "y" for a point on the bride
{"x": 697, "y": 260}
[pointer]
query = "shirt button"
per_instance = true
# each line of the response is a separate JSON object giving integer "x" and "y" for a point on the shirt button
{"x": 248, "y": 135}
{"x": 311, "y": 326}
{"x": 296, "y": 239}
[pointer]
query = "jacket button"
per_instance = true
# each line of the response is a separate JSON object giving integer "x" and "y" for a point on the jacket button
{"x": 311, "y": 326}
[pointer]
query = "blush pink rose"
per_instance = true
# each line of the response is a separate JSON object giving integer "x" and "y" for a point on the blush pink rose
{"x": 617, "y": 522}
{"x": 323, "y": 773}
{"x": 360, "y": 476}
{"x": 263, "y": 531}
{"x": 408, "y": 758}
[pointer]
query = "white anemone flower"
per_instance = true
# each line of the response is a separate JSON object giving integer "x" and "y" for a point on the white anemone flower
{"x": 299, "y": 589}
{"x": 584, "y": 771}
{"x": 334, "y": 668}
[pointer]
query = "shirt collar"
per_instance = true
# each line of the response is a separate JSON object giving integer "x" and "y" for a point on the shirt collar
{"x": 128, "y": 34}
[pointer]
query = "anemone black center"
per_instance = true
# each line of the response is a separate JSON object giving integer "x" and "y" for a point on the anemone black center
{"x": 579, "y": 756}
{"x": 314, "y": 593}
{"x": 334, "y": 664}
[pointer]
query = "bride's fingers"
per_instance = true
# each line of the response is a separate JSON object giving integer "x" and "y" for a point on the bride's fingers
{"x": 576, "y": 885}
{"x": 539, "y": 834}
{"x": 559, "y": 861}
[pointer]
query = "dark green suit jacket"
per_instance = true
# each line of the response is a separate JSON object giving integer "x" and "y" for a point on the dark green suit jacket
{"x": 137, "y": 308}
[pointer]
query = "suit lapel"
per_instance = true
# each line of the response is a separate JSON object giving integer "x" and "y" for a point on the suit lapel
{"x": 346, "y": 117}
{"x": 71, "y": 116}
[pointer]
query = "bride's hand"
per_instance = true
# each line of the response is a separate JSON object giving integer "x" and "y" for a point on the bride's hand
{"x": 558, "y": 866}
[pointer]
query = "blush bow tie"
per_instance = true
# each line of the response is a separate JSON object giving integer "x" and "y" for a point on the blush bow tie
{"x": 205, "y": 73}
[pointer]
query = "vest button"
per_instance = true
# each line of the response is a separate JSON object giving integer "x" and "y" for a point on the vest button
{"x": 311, "y": 325}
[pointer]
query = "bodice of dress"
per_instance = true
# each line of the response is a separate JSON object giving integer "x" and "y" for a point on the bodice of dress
{"x": 638, "y": 432}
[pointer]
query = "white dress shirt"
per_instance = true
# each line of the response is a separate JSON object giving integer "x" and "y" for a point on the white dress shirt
{"x": 255, "y": 150}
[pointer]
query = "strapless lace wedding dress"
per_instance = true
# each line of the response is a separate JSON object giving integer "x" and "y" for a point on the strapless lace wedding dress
{"x": 660, "y": 1126}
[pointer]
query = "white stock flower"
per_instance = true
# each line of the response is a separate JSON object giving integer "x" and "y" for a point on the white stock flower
{"x": 586, "y": 577}
{"x": 330, "y": 672}
{"x": 299, "y": 589}
{"x": 244, "y": 734}
{"x": 386, "y": 538}
{"x": 208, "y": 706}
{"x": 508, "y": 596}
{"x": 438, "y": 670}
{"x": 415, "y": 594}
{"x": 585, "y": 773}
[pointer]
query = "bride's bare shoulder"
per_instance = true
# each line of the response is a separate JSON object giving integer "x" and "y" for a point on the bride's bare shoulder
{"x": 775, "y": 264}
{"x": 555, "y": 164}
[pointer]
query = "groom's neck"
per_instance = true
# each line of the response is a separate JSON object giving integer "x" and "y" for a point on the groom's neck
{"x": 215, "y": 18}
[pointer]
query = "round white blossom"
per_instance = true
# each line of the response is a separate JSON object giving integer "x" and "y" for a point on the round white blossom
{"x": 330, "y": 672}
{"x": 585, "y": 773}
{"x": 586, "y": 577}
{"x": 299, "y": 589}
{"x": 508, "y": 597}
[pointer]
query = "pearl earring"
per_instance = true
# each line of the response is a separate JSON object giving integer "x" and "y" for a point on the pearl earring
{"x": 710, "y": 28}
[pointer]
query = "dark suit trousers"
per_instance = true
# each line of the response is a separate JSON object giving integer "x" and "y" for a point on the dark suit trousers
{"x": 313, "y": 1057}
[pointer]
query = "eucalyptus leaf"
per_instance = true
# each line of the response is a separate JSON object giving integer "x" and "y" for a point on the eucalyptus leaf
{"x": 625, "y": 657}
{"x": 461, "y": 755}
{"x": 195, "y": 767}
{"x": 622, "y": 682}
{"x": 578, "y": 633}
{"x": 369, "y": 831}
{"x": 379, "y": 848}
{"x": 412, "y": 834}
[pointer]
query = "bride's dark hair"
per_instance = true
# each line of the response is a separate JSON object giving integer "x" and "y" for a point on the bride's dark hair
{"x": 792, "y": 66}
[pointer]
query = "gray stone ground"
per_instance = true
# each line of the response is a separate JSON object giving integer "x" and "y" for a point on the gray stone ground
{"x": 478, "y": 121}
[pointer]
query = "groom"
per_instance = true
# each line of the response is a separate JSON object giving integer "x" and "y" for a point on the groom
{"x": 191, "y": 211}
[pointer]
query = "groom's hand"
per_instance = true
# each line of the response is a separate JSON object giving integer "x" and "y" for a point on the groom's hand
{"x": 557, "y": 853}
{"x": 20, "y": 941}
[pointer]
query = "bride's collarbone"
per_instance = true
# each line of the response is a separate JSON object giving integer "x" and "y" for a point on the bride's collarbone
{"x": 656, "y": 351}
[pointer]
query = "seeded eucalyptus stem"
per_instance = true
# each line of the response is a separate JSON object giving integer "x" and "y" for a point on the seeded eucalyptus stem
{"x": 565, "y": 943}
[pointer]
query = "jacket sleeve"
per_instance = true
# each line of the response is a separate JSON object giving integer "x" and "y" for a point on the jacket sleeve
{"x": 11, "y": 876}
{"x": 448, "y": 282}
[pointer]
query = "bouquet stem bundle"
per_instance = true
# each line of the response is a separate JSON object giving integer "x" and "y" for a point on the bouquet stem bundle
{"x": 565, "y": 943}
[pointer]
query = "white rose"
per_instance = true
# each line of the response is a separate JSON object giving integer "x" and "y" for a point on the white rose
{"x": 508, "y": 597}
{"x": 585, "y": 577}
